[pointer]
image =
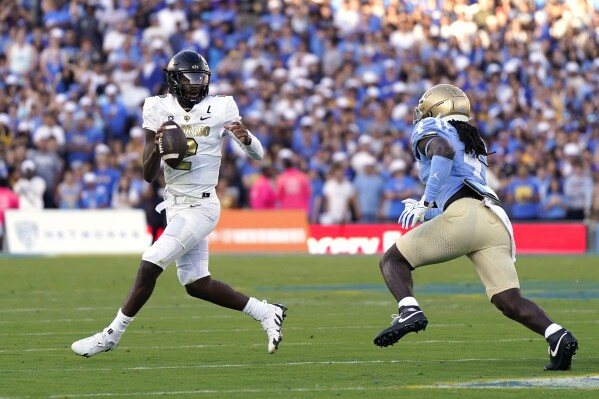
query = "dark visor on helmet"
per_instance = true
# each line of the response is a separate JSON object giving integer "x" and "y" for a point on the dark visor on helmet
{"x": 194, "y": 78}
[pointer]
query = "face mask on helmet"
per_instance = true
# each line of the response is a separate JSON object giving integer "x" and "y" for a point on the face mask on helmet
{"x": 192, "y": 85}
{"x": 417, "y": 116}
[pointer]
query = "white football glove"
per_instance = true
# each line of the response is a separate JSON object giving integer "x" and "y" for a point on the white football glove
{"x": 413, "y": 212}
{"x": 409, "y": 203}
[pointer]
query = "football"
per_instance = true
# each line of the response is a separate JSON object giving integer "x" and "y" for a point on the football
{"x": 172, "y": 146}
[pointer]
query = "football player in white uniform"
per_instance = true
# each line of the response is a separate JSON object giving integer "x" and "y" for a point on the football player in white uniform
{"x": 192, "y": 207}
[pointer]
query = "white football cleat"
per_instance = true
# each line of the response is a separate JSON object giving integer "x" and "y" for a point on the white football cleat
{"x": 97, "y": 343}
{"x": 273, "y": 324}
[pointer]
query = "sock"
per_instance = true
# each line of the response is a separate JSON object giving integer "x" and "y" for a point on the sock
{"x": 118, "y": 326}
{"x": 408, "y": 301}
{"x": 552, "y": 329}
{"x": 256, "y": 309}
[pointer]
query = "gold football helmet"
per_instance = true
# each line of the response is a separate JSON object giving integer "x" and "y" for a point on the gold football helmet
{"x": 443, "y": 100}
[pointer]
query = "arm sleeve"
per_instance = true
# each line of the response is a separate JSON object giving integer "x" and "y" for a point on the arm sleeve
{"x": 150, "y": 117}
{"x": 440, "y": 168}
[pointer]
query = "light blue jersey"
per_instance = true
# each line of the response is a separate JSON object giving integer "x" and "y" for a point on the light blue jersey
{"x": 465, "y": 166}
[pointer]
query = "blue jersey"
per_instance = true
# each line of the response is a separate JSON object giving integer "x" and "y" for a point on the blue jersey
{"x": 464, "y": 165}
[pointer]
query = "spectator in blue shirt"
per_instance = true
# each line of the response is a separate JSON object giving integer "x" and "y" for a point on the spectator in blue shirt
{"x": 78, "y": 145}
{"x": 369, "y": 187}
{"x": 68, "y": 193}
{"x": 151, "y": 75}
{"x": 523, "y": 195}
{"x": 93, "y": 196}
{"x": 105, "y": 175}
{"x": 275, "y": 18}
{"x": 397, "y": 189}
{"x": 554, "y": 204}
{"x": 55, "y": 16}
{"x": 115, "y": 114}
{"x": 316, "y": 195}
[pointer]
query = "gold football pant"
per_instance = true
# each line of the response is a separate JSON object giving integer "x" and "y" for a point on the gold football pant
{"x": 467, "y": 227}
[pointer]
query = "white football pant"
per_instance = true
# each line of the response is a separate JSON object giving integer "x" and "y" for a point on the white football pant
{"x": 185, "y": 239}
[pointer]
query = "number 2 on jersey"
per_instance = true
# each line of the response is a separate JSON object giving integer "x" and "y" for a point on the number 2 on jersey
{"x": 192, "y": 149}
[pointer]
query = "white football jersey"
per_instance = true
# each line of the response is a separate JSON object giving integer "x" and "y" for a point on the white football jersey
{"x": 203, "y": 126}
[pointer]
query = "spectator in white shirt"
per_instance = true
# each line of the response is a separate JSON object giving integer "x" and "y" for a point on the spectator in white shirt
{"x": 578, "y": 189}
{"x": 30, "y": 188}
{"x": 49, "y": 128}
{"x": 21, "y": 56}
{"x": 339, "y": 198}
{"x": 169, "y": 16}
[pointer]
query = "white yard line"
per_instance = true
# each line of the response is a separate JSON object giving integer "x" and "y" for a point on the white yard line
{"x": 226, "y": 391}
{"x": 251, "y": 365}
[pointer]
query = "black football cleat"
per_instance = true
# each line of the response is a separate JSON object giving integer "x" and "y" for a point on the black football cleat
{"x": 410, "y": 319}
{"x": 562, "y": 346}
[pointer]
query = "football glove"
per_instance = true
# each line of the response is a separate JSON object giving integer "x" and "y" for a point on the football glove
{"x": 413, "y": 212}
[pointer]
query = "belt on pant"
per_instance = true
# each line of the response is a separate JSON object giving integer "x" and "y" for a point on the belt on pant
{"x": 180, "y": 199}
{"x": 463, "y": 192}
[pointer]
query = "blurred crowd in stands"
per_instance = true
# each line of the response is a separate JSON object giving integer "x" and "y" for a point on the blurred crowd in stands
{"x": 327, "y": 86}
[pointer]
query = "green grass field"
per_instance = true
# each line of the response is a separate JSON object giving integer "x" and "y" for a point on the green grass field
{"x": 181, "y": 347}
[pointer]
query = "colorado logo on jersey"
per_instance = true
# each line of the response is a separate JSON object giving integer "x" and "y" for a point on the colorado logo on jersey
{"x": 196, "y": 131}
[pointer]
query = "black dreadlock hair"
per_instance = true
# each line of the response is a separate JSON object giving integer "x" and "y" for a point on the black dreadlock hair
{"x": 470, "y": 136}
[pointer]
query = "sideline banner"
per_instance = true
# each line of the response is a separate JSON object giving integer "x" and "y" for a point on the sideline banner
{"x": 76, "y": 232}
{"x": 353, "y": 238}
{"x": 535, "y": 238}
{"x": 260, "y": 231}
{"x": 551, "y": 238}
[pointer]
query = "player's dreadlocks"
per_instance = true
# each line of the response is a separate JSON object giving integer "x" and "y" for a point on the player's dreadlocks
{"x": 470, "y": 136}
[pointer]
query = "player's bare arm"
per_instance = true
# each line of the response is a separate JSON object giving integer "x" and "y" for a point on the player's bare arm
{"x": 151, "y": 165}
{"x": 240, "y": 131}
{"x": 436, "y": 145}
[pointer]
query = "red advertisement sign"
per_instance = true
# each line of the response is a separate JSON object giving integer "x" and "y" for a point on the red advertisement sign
{"x": 551, "y": 238}
{"x": 353, "y": 238}
{"x": 375, "y": 239}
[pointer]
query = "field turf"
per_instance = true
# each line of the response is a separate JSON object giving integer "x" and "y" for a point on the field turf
{"x": 184, "y": 348}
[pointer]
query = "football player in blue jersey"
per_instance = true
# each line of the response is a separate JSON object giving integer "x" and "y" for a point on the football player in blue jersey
{"x": 461, "y": 216}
